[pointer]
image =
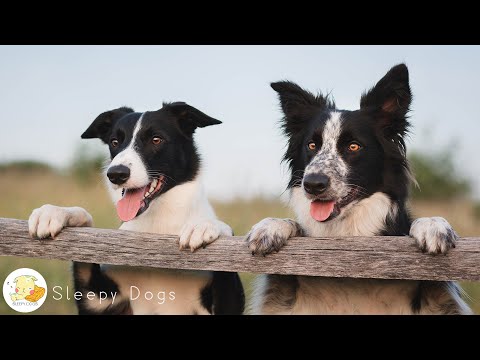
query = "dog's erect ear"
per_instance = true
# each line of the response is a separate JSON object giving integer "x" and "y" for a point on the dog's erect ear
{"x": 101, "y": 126}
{"x": 189, "y": 118}
{"x": 391, "y": 94}
{"x": 390, "y": 101}
{"x": 298, "y": 105}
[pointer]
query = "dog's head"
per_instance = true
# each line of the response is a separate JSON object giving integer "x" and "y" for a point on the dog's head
{"x": 339, "y": 157}
{"x": 151, "y": 152}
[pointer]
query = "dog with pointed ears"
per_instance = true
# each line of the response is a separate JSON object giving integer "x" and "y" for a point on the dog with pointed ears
{"x": 350, "y": 177}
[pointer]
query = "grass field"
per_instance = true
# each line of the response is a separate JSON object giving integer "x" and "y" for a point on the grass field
{"x": 23, "y": 191}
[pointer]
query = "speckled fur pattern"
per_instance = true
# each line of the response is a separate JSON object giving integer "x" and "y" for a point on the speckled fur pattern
{"x": 381, "y": 174}
{"x": 328, "y": 160}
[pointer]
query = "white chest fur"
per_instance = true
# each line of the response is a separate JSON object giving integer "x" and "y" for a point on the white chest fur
{"x": 163, "y": 291}
{"x": 365, "y": 218}
{"x": 346, "y": 296}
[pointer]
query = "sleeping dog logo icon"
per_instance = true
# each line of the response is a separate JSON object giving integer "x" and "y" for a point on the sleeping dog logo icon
{"x": 25, "y": 290}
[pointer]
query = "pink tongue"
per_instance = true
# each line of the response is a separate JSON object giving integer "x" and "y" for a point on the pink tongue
{"x": 128, "y": 206}
{"x": 321, "y": 210}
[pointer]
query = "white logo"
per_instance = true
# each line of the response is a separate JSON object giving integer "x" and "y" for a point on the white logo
{"x": 25, "y": 290}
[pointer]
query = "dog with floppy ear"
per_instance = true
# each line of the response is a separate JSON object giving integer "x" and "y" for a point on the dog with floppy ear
{"x": 350, "y": 177}
{"x": 154, "y": 177}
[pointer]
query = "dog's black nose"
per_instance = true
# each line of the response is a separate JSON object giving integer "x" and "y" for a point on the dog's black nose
{"x": 118, "y": 174}
{"x": 316, "y": 184}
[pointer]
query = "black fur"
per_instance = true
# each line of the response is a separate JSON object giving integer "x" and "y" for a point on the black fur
{"x": 299, "y": 107}
{"x": 176, "y": 156}
{"x": 380, "y": 126}
{"x": 418, "y": 298}
{"x": 177, "y": 159}
{"x": 97, "y": 282}
{"x": 338, "y": 158}
{"x": 400, "y": 225}
{"x": 224, "y": 294}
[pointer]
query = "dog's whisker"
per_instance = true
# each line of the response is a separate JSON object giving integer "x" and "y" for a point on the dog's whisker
{"x": 361, "y": 191}
{"x": 298, "y": 171}
{"x": 326, "y": 206}
{"x": 283, "y": 192}
{"x": 157, "y": 172}
{"x": 356, "y": 187}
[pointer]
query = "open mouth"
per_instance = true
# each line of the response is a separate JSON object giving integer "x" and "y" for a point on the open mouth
{"x": 135, "y": 201}
{"x": 327, "y": 209}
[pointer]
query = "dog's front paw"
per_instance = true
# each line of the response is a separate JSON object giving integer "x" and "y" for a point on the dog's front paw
{"x": 270, "y": 235}
{"x": 46, "y": 221}
{"x": 49, "y": 220}
{"x": 433, "y": 235}
{"x": 196, "y": 235}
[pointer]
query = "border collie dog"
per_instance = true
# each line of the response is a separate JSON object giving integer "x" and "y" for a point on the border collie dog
{"x": 154, "y": 179}
{"x": 350, "y": 177}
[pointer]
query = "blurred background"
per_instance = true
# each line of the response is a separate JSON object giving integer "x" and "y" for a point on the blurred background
{"x": 50, "y": 94}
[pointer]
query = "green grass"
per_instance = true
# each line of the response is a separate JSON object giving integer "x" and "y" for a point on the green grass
{"x": 22, "y": 191}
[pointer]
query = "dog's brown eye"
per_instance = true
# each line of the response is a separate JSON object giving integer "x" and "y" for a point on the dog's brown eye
{"x": 114, "y": 142}
{"x": 354, "y": 147}
{"x": 311, "y": 146}
{"x": 156, "y": 140}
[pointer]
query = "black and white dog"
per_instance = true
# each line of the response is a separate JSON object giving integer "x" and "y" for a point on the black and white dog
{"x": 155, "y": 181}
{"x": 350, "y": 177}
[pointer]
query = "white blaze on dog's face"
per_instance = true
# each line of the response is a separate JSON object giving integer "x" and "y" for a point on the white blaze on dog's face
{"x": 132, "y": 160}
{"x": 150, "y": 152}
{"x": 328, "y": 161}
{"x": 340, "y": 157}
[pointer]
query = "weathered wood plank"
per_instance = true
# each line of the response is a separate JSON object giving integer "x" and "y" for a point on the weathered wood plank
{"x": 356, "y": 257}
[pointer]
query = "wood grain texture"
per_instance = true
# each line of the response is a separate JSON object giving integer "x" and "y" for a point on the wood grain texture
{"x": 356, "y": 257}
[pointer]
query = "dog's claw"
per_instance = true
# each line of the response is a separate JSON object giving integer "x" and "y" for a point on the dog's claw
{"x": 199, "y": 235}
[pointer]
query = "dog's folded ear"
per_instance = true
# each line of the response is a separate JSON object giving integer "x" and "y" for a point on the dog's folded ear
{"x": 188, "y": 117}
{"x": 102, "y": 125}
{"x": 391, "y": 94}
{"x": 294, "y": 99}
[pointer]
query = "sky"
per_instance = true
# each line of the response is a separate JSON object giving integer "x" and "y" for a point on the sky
{"x": 50, "y": 94}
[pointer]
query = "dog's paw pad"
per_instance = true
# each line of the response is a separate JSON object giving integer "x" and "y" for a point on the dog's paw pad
{"x": 433, "y": 235}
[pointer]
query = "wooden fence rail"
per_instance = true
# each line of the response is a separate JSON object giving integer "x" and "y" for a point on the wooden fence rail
{"x": 388, "y": 257}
